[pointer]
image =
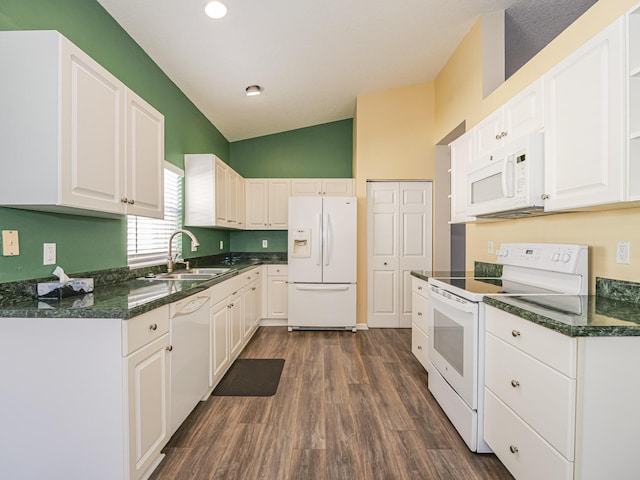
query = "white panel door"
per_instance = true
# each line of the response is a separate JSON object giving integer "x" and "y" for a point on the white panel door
{"x": 279, "y": 191}
{"x": 584, "y": 120}
{"x": 399, "y": 240}
{"x": 416, "y": 236}
{"x": 145, "y": 154}
{"x": 92, "y": 134}
{"x": 305, "y": 214}
{"x": 382, "y": 253}
{"x": 257, "y": 204}
{"x": 340, "y": 240}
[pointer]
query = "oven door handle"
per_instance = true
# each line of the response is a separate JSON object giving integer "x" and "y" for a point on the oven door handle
{"x": 465, "y": 306}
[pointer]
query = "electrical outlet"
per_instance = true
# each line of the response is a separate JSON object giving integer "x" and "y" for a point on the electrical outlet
{"x": 221, "y": 244}
{"x": 49, "y": 254}
{"x": 10, "y": 243}
{"x": 265, "y": 243}
{"x": 623, "y": 252}
{"x": 490, "y": 246}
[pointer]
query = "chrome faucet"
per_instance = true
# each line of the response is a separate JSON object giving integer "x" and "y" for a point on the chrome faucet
{"x": 194, "y": 246}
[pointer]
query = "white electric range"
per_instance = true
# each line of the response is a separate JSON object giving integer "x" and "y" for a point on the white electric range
{"x": 557, "y": 272}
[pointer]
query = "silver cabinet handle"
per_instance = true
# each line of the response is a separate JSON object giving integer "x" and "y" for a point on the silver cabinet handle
{"x": 513, "y": 449}
{"x": 515, "y": 383}
{"x": 169, "y": 348}
{"x": 419, "y": 287}
{"x": 515, "y": 333}
{"x": 385, "y": 264}
{"x": 153, "y": 326}
{"x": 544, "y": 196}
{"x": 124, "y": 200}
{"x": 253, "y": 288}
{"x": 419, "y": 347}
{"x": 419, "y": 314}
{"x": 131, "y": 202}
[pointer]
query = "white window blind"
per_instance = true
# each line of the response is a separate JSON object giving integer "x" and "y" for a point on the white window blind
{"x": 147, "y": 238}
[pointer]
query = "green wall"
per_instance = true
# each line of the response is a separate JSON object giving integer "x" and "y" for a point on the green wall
{"x": 88, "y": 243}
{"x": 85, "y": 243}
{"x": 320, "y": 151}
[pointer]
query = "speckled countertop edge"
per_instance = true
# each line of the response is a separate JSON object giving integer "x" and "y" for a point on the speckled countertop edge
{"x": 110, "y": 298}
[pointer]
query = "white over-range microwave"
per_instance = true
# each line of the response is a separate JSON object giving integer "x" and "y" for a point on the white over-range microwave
{"x": 508, "y": 183}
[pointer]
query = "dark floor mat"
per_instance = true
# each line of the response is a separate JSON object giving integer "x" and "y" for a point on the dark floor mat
{"x": 251, "y": 377}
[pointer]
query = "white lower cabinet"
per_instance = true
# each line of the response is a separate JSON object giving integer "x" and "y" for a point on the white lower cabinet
{"x": 560, "y": 407}
{"x": 277, "y": 291}
{"x": 87, "y": 398}
{"x": 148, "y": 404}
{"x": 231, "y": 308}
{"x": 419, "y": 321}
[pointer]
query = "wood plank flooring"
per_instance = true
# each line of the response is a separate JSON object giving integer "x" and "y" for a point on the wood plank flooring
{"x": 349, "y": 406}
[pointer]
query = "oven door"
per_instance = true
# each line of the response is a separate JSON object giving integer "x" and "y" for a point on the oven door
{"x": 453, "y": 342}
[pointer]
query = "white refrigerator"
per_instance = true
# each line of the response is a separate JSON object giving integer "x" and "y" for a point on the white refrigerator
{"x": 322, "y": 262}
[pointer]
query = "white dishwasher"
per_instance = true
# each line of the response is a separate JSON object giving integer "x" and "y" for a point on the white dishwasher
{"x": 189, "y": 339}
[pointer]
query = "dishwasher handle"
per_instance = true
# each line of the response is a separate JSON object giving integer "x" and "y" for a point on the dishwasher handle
{"x": 193, "y": 306}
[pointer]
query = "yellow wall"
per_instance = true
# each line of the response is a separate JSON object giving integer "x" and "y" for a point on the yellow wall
{"x": 599, "y": 230}
{"x": 395, "y": 132}
{"x": 393, "y": 140}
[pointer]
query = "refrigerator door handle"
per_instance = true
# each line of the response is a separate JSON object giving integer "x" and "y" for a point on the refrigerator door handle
{"x": 324, "y": 287}
{"x": 319, "y": 230}
{"x": 327, "y": 229}
{"x": 325, "y": 240}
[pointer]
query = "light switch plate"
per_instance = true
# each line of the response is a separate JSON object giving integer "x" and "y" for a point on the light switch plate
{"x": 10, "y": 243}
{"x": 49, "y": 254}
{"x": 265, "y": 243}
{"x": 221, "y": 244}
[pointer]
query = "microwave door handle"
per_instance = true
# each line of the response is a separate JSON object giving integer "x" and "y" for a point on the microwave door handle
{"x": 507, "y": 176}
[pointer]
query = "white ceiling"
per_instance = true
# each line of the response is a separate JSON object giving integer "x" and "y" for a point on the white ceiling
{"x": 313, "y": 57}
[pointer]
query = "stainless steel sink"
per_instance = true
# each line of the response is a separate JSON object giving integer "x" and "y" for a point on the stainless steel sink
{"x": 193, "y": 274}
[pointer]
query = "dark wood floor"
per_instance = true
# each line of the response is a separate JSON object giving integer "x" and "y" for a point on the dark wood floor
{"x": 349, "y": 406}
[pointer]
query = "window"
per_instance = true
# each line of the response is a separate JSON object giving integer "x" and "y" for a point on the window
{"x": 147, "y": 238}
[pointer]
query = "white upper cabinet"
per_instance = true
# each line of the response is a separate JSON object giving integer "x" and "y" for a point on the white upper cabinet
{"x": 633, "y": 153}
{"x": 339, "y": 187}
{"x": 78, "y": 140}
{"x": 461, "y": 156}
{"x": 144, "y": 154}
{"x": 267, "y": 203}
{"x": 521, "y": 115}
{"x": 211, "y": 192}
{"x": 584, "y": 124}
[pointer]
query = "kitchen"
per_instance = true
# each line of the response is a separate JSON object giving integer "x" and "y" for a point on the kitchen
{"x": 425, "y": 112}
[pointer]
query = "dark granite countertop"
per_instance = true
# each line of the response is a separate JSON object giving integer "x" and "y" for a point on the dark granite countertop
{"x": 480, "y": 269}
{"x": 577, "y": 316}
{"x": 124, "y": 293}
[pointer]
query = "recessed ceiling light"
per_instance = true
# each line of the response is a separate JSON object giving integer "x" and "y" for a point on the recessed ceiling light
{"x": 215, "y": 9}
{"x": 253, "y": 90}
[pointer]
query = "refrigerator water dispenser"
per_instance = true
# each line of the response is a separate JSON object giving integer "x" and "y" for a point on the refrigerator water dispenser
{"x": 301, "y": 243}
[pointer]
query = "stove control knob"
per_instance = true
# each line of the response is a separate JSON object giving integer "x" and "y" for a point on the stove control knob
{"x": 555, "y": 257}
{"x": 565, "y": 258}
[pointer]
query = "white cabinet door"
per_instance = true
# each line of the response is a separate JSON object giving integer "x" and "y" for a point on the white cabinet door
{"x": 257, "y": 204}
{"x": 337, "y": 187}
{"x": 148, "y": 404}
{"x": 92, "y": 133}
{"x": 235, "y": 322}
{"x": 144, "y": 157}
{"x": 277, "y": 301}
{"x": 584, "y": 120}
{"x": 306, "y": 187}
{"x": 521, "y": 115}
{"x": 461, "y": 156}
{"x": 241, "y": 203}
{"x": 233, "y": 180}
{"x": 279, "y": 191}
{"x": 220, "y": 358}
{"x": 312, "y": 187}
{"x": 221, "y": 175}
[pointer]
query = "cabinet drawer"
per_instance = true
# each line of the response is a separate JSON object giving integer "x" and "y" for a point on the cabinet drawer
{"x": 420, "y": 345}
{"x": 420, "y": 287}
{"x": 541, "y": 396}
{"x": 249, "y": 276}
{"x": 552, "y": 348}
{"x": 140, "y": 330}
{"x": 277, "y": 270}
{"x": 419, "y": 311}
{"x": 525, "y": 454}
